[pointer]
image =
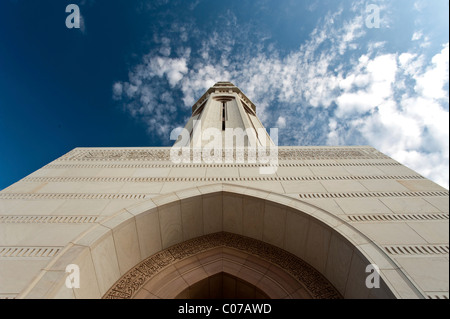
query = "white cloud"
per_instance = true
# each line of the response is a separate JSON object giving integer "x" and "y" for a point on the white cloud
{"x": 117, "y": 90}
{"x": 413, "y": 129}
{"x": 281, "y": 122}
{"x": 417, "y": 36}
{"x": 419, "y": 5}
{"x": 367, "y": 86}
{"x": 351, "y": 31}
{"x": 173, "y": 69}
{"x": 82, "y": 25}
{"x": 431, "y": 83}
{"x": 328, "y": 91}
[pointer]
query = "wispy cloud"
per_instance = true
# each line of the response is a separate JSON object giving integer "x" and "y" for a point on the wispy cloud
{"x": 82, "y": 25}
{"x": 337, "y": 88}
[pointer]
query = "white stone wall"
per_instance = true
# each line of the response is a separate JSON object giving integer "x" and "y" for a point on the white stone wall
{"x": 44, "y": 214}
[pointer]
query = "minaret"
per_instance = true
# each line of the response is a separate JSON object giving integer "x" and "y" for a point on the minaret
{"x": 224, "y": 115}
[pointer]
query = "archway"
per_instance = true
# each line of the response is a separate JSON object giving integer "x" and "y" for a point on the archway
{"x": 323, "y": 241}
{"x": 223, "y": 265}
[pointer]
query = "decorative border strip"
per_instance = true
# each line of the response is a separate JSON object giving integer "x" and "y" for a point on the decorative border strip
{"x": 29, "y": 219}
{"x": 437, "y": 295}
{"x": 417, "y": 249}
{"x": 171, "y": 165}
{"x": 370, "y": 194}
{"x": 213, "y": 179}
{"x": 396, "y": 217}
{"x": 145, "y": 196}
{"x": 43, "y": 252}
{"x": 136, "y": 278}
{"x": 71, "y": 196}
{"x": 163, "y": 154}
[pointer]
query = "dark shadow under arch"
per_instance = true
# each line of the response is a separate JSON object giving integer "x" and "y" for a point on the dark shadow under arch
{"x": 222, "y": 286}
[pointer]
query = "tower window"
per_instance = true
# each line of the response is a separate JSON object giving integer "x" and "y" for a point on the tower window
{"x": 223, "y": 116}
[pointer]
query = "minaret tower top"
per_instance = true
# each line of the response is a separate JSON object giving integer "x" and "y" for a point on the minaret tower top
{"x": 224, "y": 110}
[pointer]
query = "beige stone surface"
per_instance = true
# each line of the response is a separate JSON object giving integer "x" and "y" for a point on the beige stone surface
{"x": 60, "y": 187}
{"x": 212, "y": 213}
{"x": 140, "y": 188}
{"x": 107, "y": 209}
{"x": 296, "y": 234}
{"x": 431, "y": 274}
{"x": 409, "y": 205}
{"x": 83, "y": 207}
{"x": 434, "y": 232}
{"x": 397, "y": 170}
{"x": 50, "y": 285}
{"x": 13, "y": 284}
{"x": 114, "y": 206}
{"x": 222, "y": 172}
{"x": 183, "y": 172}
{"x": 127, "y": 245}
{"x": 317, "y": 246}
{"x": 39, "y": 234}
{"x": 397, "y": 282}
{"x": 338, "y": 262}
{"x": 116, "y": 172}
{"x": 364, "y": 171}
{"x": 295, "y": 187}
{"x": 30, "y": 187}
{"x": 253, "y": 217}
{"x": 151, "y": 172}
{"x": 329, "y": 171}
{"x": 441, "y": 203}
{"x": 233, "y": 214}
{"x": 327, "y": 204}
{"x": 76, "y": 172}
{"x": 80, "y": 256}
{"x": 383, "y": 185}
{"x": 248, "y": 171}
{"x": 192, "y": 217}
{"x": 171, "y": 224}
{"x": 88, "y": 278}
{"x": 343, "y": 186}
{"x": 269, "y": 186}
{"x": 170, "y": 187}
{"x": 105, "y": 262}
{"x": 36, "y": 207}
{"x": 390, "y": 233}
{"x": 274, "y": 224}
{"x": 149, "y": 233}
{"x": 7, "y": 207}
{"x": 293, "y": 171}
{"x": 44, "y": 172}
{"x": 186, "y": 215}
{"x": 421, "y": 185}
{"x": 357, "y": 275}
{"x": 363, "y": 206}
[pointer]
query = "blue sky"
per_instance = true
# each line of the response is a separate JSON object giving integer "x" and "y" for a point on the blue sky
{"x": 314, "y": 69}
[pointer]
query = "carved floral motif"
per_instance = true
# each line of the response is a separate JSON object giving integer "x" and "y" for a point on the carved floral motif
{"x": 133, "y": 280}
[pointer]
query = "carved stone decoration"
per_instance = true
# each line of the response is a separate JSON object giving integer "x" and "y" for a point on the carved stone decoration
{"x": 163, "y": 154}
{"x": 213, "y": 179}
{"x": 130, "y": 283}
{"x": 84, "y": 196}
{"x": 170, "y": 165}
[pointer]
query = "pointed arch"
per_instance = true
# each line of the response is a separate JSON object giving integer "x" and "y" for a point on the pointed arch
{"x": 326, "y": 243}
